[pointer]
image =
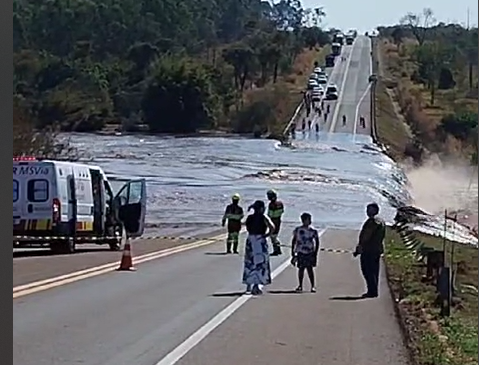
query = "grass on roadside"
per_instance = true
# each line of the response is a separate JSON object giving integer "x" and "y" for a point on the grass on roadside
{"x": 391, "y": 130}
{"x": 434, "y": 340}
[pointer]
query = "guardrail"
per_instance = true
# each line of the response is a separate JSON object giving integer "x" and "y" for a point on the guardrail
{"x": 373, "y": 117}
{"x": 439, "y": 272}
{"x": 296, "y": 114}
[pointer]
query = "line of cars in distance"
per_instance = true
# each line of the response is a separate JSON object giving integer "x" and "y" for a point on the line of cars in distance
{"x": 319, "y": 88}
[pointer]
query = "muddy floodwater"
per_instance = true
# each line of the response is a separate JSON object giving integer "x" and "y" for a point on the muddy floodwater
{"x": 190, "y": 180}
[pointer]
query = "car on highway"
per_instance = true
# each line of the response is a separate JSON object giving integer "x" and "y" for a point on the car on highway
{"x": 319, "y": 72}
{"x": 312, "y": 84}
{"x": 319, "y": 89}
{"x": 317, "y": 94}
{"x": 322, "y": 80}
{"x": 332, "y": 92}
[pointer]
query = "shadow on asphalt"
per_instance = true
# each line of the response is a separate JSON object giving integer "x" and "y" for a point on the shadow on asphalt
{"x": 48, "y": 252}
{"x": 284, "y": 291}
{"x": 219, "y": 253}
{"x": 228, "y": 295}
{"x": 348, "y": 298}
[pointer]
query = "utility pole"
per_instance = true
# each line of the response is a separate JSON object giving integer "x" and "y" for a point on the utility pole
{"x": 467, "y": 18}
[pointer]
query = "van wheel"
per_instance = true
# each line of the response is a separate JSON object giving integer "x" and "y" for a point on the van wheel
{"x": 69, "y": 247}
{"x": 56, "y": 248}
{"x": 115, "y": 246}
{"x": 63, "y": 247}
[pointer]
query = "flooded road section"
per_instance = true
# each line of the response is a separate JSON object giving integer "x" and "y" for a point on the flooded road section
{"x": 190, "y": 180}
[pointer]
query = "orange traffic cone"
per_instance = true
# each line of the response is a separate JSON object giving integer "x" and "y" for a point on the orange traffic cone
{"x": 126, "y": 263}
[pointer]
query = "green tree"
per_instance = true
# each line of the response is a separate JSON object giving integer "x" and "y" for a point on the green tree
{"x": 431, "y": 57}
{"x": 179, "y": 98}
{"x": 420, "y": 25}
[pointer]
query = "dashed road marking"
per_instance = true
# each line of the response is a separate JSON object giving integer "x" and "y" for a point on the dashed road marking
{"x": 42, "y": 285}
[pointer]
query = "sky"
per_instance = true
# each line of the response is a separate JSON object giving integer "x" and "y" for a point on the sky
{"x": 366, "y": 15}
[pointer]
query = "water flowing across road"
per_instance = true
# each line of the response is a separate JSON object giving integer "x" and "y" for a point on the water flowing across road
{"x": 191, "y": 179}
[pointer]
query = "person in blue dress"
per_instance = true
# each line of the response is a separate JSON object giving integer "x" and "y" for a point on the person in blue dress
{"x": 257, "y": 268}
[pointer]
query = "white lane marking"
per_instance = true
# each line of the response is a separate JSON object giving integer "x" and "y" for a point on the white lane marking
{"x": 174, "y": 356}
{"x": 42, "y": 285}
{"x": 341, "y": 91}
{"x": 370, "y": 63}
{"x": 358, "y": 106}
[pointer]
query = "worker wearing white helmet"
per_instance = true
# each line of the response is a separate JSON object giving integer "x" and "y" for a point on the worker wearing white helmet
{"x": 233, "y": 215}
{"x": 275, "y": 213}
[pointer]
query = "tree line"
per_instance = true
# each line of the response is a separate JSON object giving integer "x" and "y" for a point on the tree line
{"x": 445, "y": 59}
{"x": 177, "y": 66}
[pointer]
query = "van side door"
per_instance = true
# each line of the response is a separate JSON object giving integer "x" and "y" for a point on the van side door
{"x": 130, "y": 207}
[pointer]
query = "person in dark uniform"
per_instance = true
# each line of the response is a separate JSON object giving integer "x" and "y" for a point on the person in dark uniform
{"x": 233, "y": 214}
{"x": 362, "y": 122}
{"x": 304, "y": 251}
{"x": 370, "y": 248}
{"x": 275, "y": 212}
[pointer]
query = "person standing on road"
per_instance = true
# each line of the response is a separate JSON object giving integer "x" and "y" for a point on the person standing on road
{"x": 275, "y": 213}
{"x": 257, "y": 269}
{"x": 304, "y": 251}
{"x": 370, "y": 248}
{"x": 362, "y": 122}
{"x": 233, "y": 214}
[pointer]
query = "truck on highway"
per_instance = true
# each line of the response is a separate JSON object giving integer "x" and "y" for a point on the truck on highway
{"x": 338, "y": 38}
{"x": 329, "y": 60}
{"x": 349, "y": 40}
{"x": 336, "y": 49}
{"x": 61, "y": 204}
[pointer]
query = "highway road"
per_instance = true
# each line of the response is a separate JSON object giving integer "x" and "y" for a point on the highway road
{"x": 351, "y": 78}
{"x": 185, "y": 305}
{"x": 147, "y": 317}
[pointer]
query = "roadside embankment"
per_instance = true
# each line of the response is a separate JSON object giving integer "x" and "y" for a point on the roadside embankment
{"x": 425, "y": 112}
{"x": 390, "y": 129}
{"x": 432, "y": 338}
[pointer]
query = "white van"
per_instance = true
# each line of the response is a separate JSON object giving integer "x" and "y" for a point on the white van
{"x": 61, "y": 204}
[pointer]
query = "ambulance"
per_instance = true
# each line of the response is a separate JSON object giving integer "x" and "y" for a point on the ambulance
{"x": 61, "y": 204}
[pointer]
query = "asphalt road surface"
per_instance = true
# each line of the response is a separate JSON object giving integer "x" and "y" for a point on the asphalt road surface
{"x": 188, "y": 308}
{"x": 351, "y": 77}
